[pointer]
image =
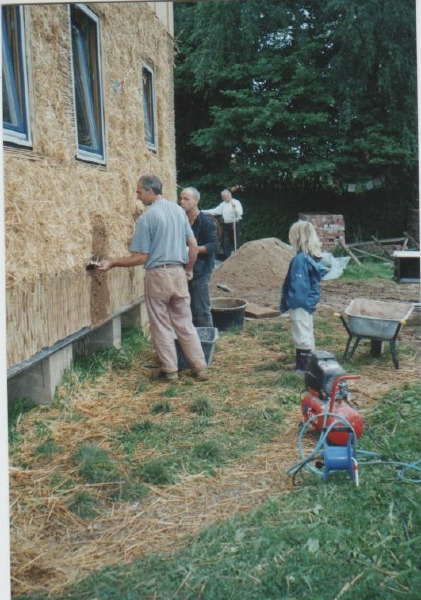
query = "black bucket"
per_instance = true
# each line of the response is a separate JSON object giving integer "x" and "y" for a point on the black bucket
{"x": 228, "y": 313}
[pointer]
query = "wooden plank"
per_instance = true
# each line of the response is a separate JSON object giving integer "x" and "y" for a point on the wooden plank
{"x": 260, "y": 312}
{"x": 382, "y": 241}
{"x": 391, "y": 240}
{"x": 388, "y": 260}
{"x": 357, "y": 244}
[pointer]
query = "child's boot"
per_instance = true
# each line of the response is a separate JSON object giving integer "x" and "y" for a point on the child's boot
{"x": 302, "y": 358}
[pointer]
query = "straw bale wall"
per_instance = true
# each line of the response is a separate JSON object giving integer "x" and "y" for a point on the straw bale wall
{"x": 59, "y": 211}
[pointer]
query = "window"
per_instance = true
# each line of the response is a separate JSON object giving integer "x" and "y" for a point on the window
{"x": 15, "y": 84}
{"x": 87, "y": 84}
{"x": 149, "y": 106}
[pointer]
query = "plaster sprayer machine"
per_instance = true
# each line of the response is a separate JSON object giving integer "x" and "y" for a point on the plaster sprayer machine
{"x": 326, "y": 408}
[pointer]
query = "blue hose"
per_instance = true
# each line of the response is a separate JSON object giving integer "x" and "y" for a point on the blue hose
{"x": 305, "y": 461}
{"x": 401, "y": 472}
{"x": 323, "y": 436}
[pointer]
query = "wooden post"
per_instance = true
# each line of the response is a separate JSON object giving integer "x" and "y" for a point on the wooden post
{"x": 382, "y": 248}
{"x": 348, "y": 251}
{"x": 412, "y": 239}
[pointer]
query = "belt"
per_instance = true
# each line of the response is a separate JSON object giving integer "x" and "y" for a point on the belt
{"x": 168, "y": 266}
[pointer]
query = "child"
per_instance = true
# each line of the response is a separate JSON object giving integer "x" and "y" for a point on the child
{"x": 300, "y": 291}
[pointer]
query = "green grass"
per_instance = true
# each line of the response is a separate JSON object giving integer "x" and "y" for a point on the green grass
{"x": 202, "y": 406}
{"x": 16, "y": 410}
{"x": 94, "y": 464}
{"x": 157, "y": 472}
{"x": 95, "y": 467}
{"x": 400, "y": 410}
{"x": 161, "y": 407}
{"x": 150, "y": 434}
{"x": 274, "y": 333}
{"x": 133, "y": 344}
{"x": 368, "y": 270}
{"x": 48, "y": 448}
{"x": 308, "y": 545}
{"x": 321, "y": 542}
{"x": 84, "y": 506}
{"x": 210, "y": 450}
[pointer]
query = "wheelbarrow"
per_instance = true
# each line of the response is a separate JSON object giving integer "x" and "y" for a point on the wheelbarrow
{"x": 375, "y": 320}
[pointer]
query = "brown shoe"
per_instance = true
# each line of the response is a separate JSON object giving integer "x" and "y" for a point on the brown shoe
{"x": 201, "y": 375}
{"x": 162, "y": 376}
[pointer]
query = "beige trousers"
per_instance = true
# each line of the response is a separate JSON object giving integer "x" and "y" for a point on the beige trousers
{"x": 302, "y": 329}
{"x": 168, "y": 304}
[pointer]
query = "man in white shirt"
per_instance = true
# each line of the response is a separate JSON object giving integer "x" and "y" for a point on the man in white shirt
{"x": 231, "y": 212}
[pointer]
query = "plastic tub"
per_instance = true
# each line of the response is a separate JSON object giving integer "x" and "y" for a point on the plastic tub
{"x": 228, "y": 312}
{"x": 207, "y": 337}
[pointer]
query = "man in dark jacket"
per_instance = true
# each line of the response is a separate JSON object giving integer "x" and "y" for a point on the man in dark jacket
{"x": 204, "y": 229}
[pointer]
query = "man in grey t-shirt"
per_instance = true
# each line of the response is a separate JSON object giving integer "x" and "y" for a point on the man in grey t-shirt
{"x": 164, "y": 242}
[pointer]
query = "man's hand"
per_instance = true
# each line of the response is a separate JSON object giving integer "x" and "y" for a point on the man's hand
{"x": 135, "y": 258}
{"x": 104, "y": 266}
{"x": 189, "y": 275}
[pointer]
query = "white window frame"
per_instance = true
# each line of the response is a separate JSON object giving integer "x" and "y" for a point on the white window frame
{"x": 20, "y": 135}
{"x": 149, "y": 107}
{"x": 83, "y": 152}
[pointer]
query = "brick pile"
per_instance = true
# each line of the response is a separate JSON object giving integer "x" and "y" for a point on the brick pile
{"x": 330, "y": 228}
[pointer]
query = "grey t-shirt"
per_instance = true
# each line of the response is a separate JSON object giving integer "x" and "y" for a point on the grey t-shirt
{"x": 162, "y": 232}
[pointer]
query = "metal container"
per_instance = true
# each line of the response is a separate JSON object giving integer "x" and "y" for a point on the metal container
{"x": 208, "y": 337}
{"x": 376, "y": 319}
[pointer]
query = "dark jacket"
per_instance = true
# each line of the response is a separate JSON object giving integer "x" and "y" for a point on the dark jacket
{"x": 301, "y": 288}
{"x": 204, "y": 229}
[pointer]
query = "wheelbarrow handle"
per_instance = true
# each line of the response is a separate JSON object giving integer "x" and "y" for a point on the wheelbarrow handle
{"x": 344, "y": 323}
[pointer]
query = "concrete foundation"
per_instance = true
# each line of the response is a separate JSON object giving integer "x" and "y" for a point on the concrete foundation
{"x": 137, "y": 317}
{"x": 40, "y": 381}
{"x": 106, "y": 336}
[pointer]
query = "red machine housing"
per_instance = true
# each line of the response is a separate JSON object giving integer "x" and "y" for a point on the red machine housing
{"x": 325, "y": 399}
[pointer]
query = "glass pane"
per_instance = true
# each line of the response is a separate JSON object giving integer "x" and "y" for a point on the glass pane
{"x": 86, "y": 81}
{"x": 12, "y": 70}
{"x": 148, "y": 106}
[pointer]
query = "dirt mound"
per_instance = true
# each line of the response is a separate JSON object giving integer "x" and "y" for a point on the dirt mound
{"x": 256, "y": 267}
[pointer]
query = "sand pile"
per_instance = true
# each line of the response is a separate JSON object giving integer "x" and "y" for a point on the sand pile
{"x": 256, "y": 267}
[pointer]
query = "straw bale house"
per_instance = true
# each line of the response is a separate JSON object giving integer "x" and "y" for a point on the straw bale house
{"x": 87, "y": 107}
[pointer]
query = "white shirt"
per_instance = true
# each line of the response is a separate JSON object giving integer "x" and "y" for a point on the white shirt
{"x": 231, "y": 211}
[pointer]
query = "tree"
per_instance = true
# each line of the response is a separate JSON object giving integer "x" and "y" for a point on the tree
{"x": 287, "y": 92}
{"x": 373, "y": 79}
{"x": 255, "y": 67}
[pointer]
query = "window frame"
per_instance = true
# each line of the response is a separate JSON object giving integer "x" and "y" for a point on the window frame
{"x": 149, "y": 103}
{"x": 95, "y": 154}
{"x": 17, "y": 134}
